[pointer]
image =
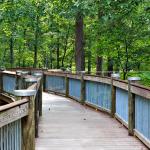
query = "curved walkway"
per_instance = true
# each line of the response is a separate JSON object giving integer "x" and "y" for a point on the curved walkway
{"x": 66, "y": 125}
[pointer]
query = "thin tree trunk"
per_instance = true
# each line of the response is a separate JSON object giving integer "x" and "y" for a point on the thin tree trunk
{"x": 51, "y": 59}
{"x": 11, "y": 51}
{"x": 127, "y": 58}
{"x": 19, "y": 60}
{"x": 79, "y": 43}
{"x": 3, "y": 58}
{"x": 110, "y": 66}
{"x": 65, "y": 47}
{"x": 36, "y": 42}
{"x": 99, "y": 65}
{"x": 57, "y": 53}
{"x": 99, "y": 59}
{"x": 89, "y": 62}
{"x": 35, "y": 54}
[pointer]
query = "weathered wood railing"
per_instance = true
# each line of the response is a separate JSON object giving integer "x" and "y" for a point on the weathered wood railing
{"x": 129, "y": 104}
{"x": 19, "y": 119}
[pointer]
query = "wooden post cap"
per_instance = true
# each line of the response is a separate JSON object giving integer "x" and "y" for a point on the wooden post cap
{"x": 81, "y": 72}
{"x": 24, "y": 93}
{"x": 134, "y": 79}
{"x": 31, "y": 80}
{"x": 24, "y": 72}
{"x": 37, "y": 74}
{"x": 18, "y": 72}
{"x": 2, "y": 68}
{"x": 115, "y": 75}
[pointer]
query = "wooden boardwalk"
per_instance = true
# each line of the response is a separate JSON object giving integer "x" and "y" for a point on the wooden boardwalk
{"x": 66, "y": 125}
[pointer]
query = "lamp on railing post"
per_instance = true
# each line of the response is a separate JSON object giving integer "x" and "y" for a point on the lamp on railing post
{"x": 82, "y": 99}
{"x": 28, "y": 122}
{"x": 131, "y": 105}
{"x": 113, "y": 93}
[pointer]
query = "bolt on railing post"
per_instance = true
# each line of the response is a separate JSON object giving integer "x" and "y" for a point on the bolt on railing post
{"x": 131, "y": 106}
{"x": 82, "y": 98}
{"x": 113, "y": 94}
{"x": 67, "y": 85}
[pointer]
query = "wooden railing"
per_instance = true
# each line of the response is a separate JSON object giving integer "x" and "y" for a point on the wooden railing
{"x": 129, "y": 103}
{"x": 19, "y": 118}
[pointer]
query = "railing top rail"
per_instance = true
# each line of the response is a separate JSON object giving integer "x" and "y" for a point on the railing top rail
{"x": 11, "y": 73}
{"x": 14, "y": 104}
{"x": 140, "y": 86}
{"x": 123, "y": 84}
{"x": 26, "y": 68}
{"x": 22, "y": 101}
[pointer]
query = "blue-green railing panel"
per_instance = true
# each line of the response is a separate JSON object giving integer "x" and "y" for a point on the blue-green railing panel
{"x": 9, "y": 83}
{"x": 56, "y": 84}
{"x": 122, "y": 104}
{"x": 10, "y": 136}
{"x": 75, "y": 88}
{"x": 98, "y": 94}
{"x": 142, "y": 116}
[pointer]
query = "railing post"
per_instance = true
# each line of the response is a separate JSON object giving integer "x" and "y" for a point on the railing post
{"x": 82, "y": 99}
{"x": 36, "y": 114}
{"x": 67, "y": 85}
{"x": 38, "y": 102}
{"x": 28, "y": 122}
{"x": 1, "y": 81}
{"x": 19, "y": 80}
{"x": 44, "y": 82}
{"x": 28, "y": 127}
{"x": 40, "y": 96}
{"x": 30, "y": 81}
{"x": 131, "y": 106}
{"x": 41, "y": 76}
{"x": 113, "y": 94}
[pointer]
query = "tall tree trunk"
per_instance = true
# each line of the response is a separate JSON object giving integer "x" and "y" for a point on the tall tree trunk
{"x": 36, "y": 42}
{"x": 65, "y": 47}
{"x": 35, "y": 54}
{"x": 89, "y": 62}
{"x": 127, "y": 60}
{"x": 19, "y": 59}
{"x": 99, "y": 65}
{"x": 11, "y": 44}
{"x": 79, "y": 43}
{"x": 4, "y": 58}
{"x": 57, "y": 53}
{"x": 110, "y": 66}
{"x": 51, "y": 59}
{"x": 99, "y": 59}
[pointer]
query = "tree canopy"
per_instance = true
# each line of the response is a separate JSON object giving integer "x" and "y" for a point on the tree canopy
{"x": 93, "y": 35}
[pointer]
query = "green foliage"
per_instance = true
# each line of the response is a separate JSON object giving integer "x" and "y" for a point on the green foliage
{"x": 113, "y": 29}
{"x": 145, "y": 77}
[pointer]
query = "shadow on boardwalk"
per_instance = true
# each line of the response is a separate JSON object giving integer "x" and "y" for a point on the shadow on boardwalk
{"x": 66, "y": 125}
